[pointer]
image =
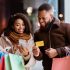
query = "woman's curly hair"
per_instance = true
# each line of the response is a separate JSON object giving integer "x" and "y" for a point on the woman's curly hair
{"x": 15, "y": 17}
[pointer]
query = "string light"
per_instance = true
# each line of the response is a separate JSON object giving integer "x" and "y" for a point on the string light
{"x": 60, "y": 15}
{"x": 29, "y": 10}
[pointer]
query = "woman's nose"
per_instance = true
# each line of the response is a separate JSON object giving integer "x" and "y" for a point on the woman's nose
{"x": 21, "y": 26}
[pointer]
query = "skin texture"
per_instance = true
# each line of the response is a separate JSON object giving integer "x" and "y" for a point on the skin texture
{"x": 19, "y": 26}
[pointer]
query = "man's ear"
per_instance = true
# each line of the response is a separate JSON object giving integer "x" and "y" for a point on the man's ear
{"x": 51, "y": 17}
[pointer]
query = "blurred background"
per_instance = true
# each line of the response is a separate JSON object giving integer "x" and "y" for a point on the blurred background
{"x": 29, "y": 7}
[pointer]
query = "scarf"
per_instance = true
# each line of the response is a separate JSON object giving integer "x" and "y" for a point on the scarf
{"x": 14, "y": 37}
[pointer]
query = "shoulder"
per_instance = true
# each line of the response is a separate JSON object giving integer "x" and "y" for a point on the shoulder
{"x": 31, "y": 40}
{"x": 2, "y": 38}
{"x": 2, "y": 41}
{"x": 66, "y": 28}
{"x": 65, "y": 25}
{"x": 31, "y": 36}
{"x": 37, "y": 32}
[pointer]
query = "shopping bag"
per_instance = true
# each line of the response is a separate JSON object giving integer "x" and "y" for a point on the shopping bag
{"x": 17, "y": 62}
{"x": 2, "y": 62}
{"x": 7, "y": 63}
{"x": 61, "y": 63}
{"x": 14, "y": 62}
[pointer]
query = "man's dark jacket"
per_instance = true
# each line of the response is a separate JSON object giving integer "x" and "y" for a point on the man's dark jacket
{"x": 57, "y": 36}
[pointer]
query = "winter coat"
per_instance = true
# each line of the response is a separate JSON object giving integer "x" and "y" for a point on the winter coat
{"x": 57, "y": 36}
{"x": 5, "y": 43}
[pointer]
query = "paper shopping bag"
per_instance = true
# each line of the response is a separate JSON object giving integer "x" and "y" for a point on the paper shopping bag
{"x": 61, "y": 63}
{"x": 17, "y": 62}
{"x": 2, "y": 62}
{"x": 7, "y": 63}
{"x": 14, "y": 62}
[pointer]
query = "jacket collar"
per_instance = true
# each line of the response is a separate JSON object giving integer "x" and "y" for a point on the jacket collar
{"x": 56, "y": 22}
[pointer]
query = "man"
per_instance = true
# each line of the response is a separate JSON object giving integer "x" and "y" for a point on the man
{"x": 55, "y": 35}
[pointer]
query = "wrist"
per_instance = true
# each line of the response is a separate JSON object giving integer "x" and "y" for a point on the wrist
{"x": 26, "y": 54}
{"x": 26, "y": 58}
{"x": 36, "y": 55}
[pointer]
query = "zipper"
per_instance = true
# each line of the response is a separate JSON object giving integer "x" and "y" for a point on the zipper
{"x": 50, "y": 37}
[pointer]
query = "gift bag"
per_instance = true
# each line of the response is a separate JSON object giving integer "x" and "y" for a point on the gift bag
{"x": 61, "y": 63}
{"x": 7, "y": 63}
{"x": 2, "y": 62}
{"x": 14, "y": 62}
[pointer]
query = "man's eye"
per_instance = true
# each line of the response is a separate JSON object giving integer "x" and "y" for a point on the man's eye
{"x": 44, "y": 18}
{"x": 17, "y": 25}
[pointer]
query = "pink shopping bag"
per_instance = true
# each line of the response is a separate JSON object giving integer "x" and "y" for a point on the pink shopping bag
{"x": 61, "y": 63}
{"x": 2, "y": 63}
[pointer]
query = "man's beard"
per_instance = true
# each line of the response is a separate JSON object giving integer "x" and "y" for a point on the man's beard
{"x": 46, "y": 27}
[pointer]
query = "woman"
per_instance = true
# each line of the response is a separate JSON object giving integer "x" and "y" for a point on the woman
{"x": 18, "y": 39}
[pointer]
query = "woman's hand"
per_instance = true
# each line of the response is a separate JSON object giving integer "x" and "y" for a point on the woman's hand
{"x": 6, "y": 50}
{"x": 23, "y": 50}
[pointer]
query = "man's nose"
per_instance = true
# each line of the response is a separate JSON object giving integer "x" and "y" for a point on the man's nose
{"x": 41, "y": 20}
